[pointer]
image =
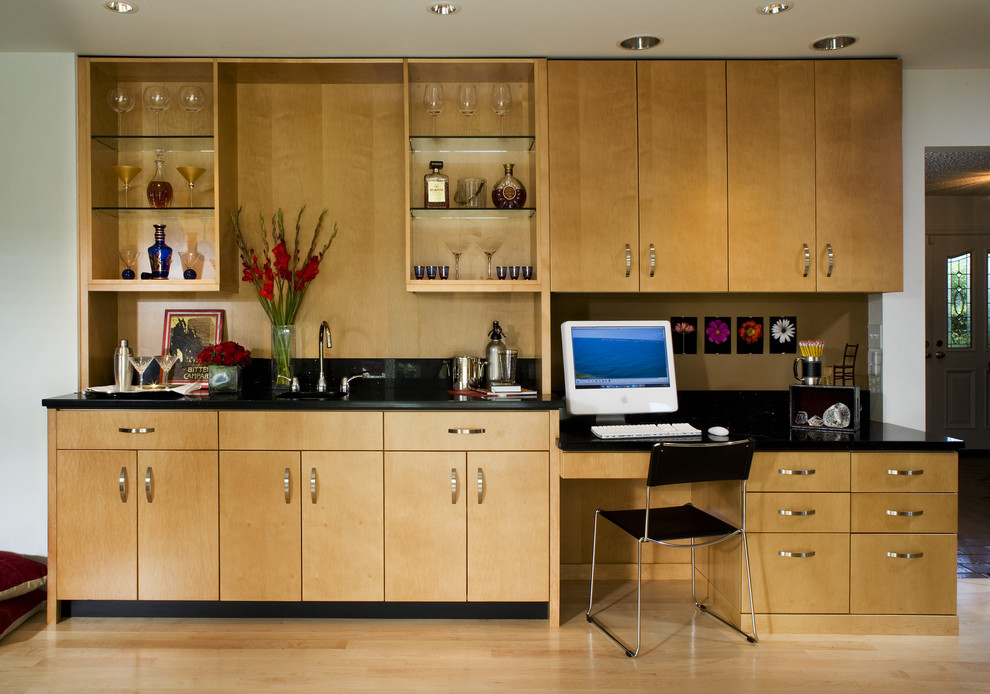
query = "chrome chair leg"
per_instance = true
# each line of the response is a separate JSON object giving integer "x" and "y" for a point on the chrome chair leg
{"x": 639, "y": 597}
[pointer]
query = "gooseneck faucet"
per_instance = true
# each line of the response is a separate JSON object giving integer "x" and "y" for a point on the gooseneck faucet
{"x": 321, "y": 383}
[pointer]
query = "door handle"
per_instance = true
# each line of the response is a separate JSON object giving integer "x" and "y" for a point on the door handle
{"x": 148, "y": 482}
{"x": 653, "y": 260}
{"x": 940, "y": 355}
{"x": 285, "y": 482}
{"x": 807, "y": 260}
{"x": 628, "y": 260}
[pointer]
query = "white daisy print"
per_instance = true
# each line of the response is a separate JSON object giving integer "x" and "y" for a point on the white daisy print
{"x": 782, "y": 330}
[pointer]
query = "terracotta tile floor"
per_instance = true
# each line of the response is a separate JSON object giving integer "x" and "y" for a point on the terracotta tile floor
{"x": 974, "y": 515}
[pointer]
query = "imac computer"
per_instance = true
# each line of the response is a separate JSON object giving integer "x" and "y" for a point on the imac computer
{"x": 615, "y": 368}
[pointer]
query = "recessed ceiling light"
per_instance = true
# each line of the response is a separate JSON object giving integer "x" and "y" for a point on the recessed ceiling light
{"x": 443, "y": 8}
{"x": 774, "y": 8}
{"x": 640, "y": 43}
{"x": 833, "y": 43}
{"x": 121, "y": 7}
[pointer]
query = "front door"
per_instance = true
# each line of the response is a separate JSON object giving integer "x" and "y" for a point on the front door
{"x": 957, "y": 357}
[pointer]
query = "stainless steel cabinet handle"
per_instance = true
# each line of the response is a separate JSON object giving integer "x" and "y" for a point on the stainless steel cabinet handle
{"x": 807, "y": 260}
{"x": 123, "y": 485}
{"x": 785, "y": 471}
{"x": 312, "y": 485}
{"x": 465, "y": 431}
{"x": 481, "y": 485}
{"x": 910, "y": 514}
{"x": 653, "y": 260}
{"x": 785, "y": 512}
{"x": 286, "y": 486}
{"x": 628, "y": 260}
{"x": 905, "y": 472}
{"x": 906, "y": 555}
{"x": 831, "y": 259}
{"x": 453, "y": 485}
{"x": 139, "y": 430}
{"x": 147, "y": 484}
{"x": 796, "y": 555}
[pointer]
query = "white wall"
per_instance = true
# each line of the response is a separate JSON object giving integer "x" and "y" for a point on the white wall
{"x": 942, "y": 108}
{"x": 39, "y": 345}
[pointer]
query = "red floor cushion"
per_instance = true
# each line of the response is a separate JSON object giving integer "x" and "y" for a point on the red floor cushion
{"x": 20, "y": 575}
{"x": 16, "y": 611}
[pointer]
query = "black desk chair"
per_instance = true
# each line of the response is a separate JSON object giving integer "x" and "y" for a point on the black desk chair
{"x": 678, "y": 463}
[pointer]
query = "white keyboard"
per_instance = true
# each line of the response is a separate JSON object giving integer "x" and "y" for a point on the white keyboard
{"x": 644, "y": 431}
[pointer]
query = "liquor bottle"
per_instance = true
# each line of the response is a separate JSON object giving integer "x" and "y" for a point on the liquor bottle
{"x": 159, "y": 190}
{"x": 436, "y": 187}
{"x": 160, "y": 255}
{"x": 508, "y": 192}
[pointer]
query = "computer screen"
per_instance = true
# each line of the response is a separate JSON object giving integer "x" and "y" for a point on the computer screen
{"x": 614, "y": 368}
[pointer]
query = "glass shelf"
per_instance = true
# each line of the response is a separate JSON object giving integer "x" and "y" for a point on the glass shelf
{"x": 471, "y": 143}
{"x": 164, "y": 212}
{"x": 471, "y": 213}
{"x": 147, "y": 143}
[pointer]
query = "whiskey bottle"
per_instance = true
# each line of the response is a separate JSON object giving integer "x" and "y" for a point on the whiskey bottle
{"x": 508, "y": 192}
{"x": 436, "y": 187}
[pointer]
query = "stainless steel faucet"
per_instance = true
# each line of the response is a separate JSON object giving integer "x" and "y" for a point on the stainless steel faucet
{"x": 321, "y": 383}
{"x": 345, "y": 382}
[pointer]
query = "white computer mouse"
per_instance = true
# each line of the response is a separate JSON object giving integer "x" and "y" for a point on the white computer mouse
{"x": 718, "y": 431}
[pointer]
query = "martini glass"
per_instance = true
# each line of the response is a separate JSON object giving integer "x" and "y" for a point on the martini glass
{"x": 189, "y": 261}
{"x": 489, "y": 247}
{"x": 141, "y": 365}
{"x": 456, "y": 248}
{"x": 165, "y": 363}
{"x": 157, "y": 99}
{"x": 433, "y": 102}
{"x": 191, "y": 174}
{"x": 120, "y": 102}
{"x": 129, "y": 257}
{"x": 126, "y": 174}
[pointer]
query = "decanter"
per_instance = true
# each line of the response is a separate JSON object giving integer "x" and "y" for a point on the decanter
{"x": 159, "y": 190}
{"x": 160, "y": 255}
{"x": 508, "y": 192}
{"x": 436, "y": 186}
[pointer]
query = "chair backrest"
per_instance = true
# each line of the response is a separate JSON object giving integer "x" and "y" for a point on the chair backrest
{"x": 673, "y": 462}
{"x": 849, "y": 355}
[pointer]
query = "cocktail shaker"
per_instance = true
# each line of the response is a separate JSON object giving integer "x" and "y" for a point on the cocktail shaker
{"x": 122, "y": 373}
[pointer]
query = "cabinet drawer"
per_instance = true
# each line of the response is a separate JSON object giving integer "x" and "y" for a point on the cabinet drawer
{"x": 816, "y": 512}
{"x": 904, "y": 513}
{"x": 800, "y": 572}
{"x": 903, "y": 574}
{"x": 300, "y": 431}
{"x": 467, "y": 431}
{"x": 799, "y": 472}
{"x": 905, "y": 472}
{"x": 136, "y": 429}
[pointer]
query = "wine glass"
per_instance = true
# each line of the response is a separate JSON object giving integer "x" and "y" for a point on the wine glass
{"x": 501, "y": 102}
{"x": 126, "y": 174}
{"x": 456, "y": 248}
{"x": 433, "y": 102}
{"x": 165, "y": 363}
{"x": 128, "y": 256}
{"x": 489, "y": 246}
{"x": 467, "y": 99}
{"x": 191, "y": 174}
{"x": 141, "y": 365}
{"x": 157, "y": 99}
{"x": 192, "y": 99}
{"x": 121, "y": 102}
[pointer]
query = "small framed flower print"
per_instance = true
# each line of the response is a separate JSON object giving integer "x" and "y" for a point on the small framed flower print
{"x": 186, "y": 333}
{"x": 749, "y": 335}
{"x": 718, "y": 333}
{"x": 783, "y": 334}
{"x": 685, "y": 334}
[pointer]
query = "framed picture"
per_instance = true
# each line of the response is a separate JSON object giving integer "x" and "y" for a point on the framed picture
{"x": 186, "y": 333}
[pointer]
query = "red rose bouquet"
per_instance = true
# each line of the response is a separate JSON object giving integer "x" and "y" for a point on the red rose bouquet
{"x": 224, "y": 354}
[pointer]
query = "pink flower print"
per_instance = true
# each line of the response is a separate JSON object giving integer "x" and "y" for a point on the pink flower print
{"x": 683, "y": 328}
{"x": 717, "y": 331}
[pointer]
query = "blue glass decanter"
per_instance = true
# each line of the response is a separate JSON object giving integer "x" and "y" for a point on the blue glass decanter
{"x": 160, "y": 255}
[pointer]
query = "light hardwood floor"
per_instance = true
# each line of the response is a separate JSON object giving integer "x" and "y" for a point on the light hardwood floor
{"x": 684, "y": 651}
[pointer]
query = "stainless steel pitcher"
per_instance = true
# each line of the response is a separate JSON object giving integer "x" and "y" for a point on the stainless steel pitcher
{"x": 467, "y": 372}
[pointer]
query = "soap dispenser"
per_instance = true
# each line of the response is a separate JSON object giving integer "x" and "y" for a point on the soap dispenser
{"x": 495, "y": 355}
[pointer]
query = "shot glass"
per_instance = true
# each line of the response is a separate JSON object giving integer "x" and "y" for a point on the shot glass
{"x": 513, "y": 272}
{"x": 527, "y": 272}
{"x": 419, "y": 271}
{"x": 501, "y": 271}
{"x": 431, "y": 272}
{"x": 444, "y": 271}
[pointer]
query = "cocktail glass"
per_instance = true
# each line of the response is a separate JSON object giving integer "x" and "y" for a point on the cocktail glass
{"x": 191, "y": 174}
{"x": 141, "y": 365}
{"x": 126, "y": 174}
{"x": 190, "y": 259}
{"x": 456, "y": 248}
{"x": 129, "y": 257}
{"x": 165, "y": 363}
{"x": 489, "y": 247}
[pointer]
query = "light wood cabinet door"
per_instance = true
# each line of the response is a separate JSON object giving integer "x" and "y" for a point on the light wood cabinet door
{"x": 781, "y": 471}
{"x": 902, "y": 471}
{"x": 858, "y": 173}
{"x": 136, "y": 430}
{"x": 798, "y": 512}
{"x": 903, "y": 574}
{"x": 260, "y": 545}
{"x": 343, "y": 533}
{"x": 467, "y": 431}
{"x": 683, "y": 215}
{"x": 425, "y": 526}
{"x": 904, "y": 513}
{"x": 800, "y": 572}
{"x": 96, "y": 525}
{"x": 594, "y": 209}
{"x": 771, "y": 153}
{"x": 508, "y": 530}
{"x": 306, "y": 431}
{"x": 178, "y": 509}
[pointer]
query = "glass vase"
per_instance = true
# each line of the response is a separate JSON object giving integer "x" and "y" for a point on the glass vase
{"x": 224, "y": 379}
{"x": 160, "y": 255}
{"x": 283, "y": 352}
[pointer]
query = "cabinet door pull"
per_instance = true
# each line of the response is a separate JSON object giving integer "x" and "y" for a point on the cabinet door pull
{"x": 465, "y": 431}
{"x": 481, "y": 485}
{"x": 285, "y": 482}
{"x": 909, "y": 514}
{"x": 785, "y": 471}
{"x": 831, "y": 259}
{"x": 138, "y": 430}
{"x": 653, "y": 260}
{"x": 905, "y": 472}
{"x": 147, "y": 484}
{"x": 628, "y": 260}
{"x": 796, "y": 555}
{"x": 905, "y": 555}
{"x": 123, "y": 485}
{"x": 453, "y": 485}
{"x": 786, "y": 512}
{"x": 807, "y": 260}
{"x": 312, "y": 485}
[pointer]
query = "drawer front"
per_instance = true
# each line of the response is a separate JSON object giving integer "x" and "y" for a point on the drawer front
{"x": 800, "y": 572}
{"x": 904, "y": 513}
{"x": 903, "y": 574}
{"x": 467, "y": 431}
{"x": 300, "y": 431}
{"x": 905, "y": 472}
{"x": 815, "y": 512}
{"x": 799, "y": 472}
{"x": 136, "y": 430}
